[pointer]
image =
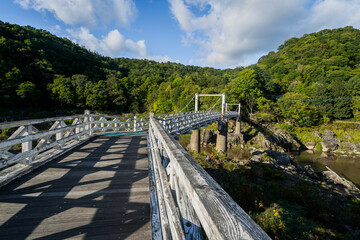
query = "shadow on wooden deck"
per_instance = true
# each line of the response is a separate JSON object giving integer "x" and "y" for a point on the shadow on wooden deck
{"x": 97, "y": 191}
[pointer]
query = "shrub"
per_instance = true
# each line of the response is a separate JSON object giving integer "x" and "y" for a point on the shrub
{"x": 318, "y": 147}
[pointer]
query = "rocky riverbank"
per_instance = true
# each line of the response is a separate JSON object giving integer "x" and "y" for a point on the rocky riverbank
{"x": 329, "y": 143}
{"x": 256, "y": 137}
{"x": 327, "y": 181}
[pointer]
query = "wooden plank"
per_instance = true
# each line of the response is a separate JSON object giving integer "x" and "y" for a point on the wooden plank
{"x": 191, "y": 223}
{"x": 8, "y": 175}
{"x": 219, "y": 215}
{"x": 165, "y": 226}
{"x": 81, "y": 202}
{"x": 171, "y": 210}
{"x": 156, "y": 233}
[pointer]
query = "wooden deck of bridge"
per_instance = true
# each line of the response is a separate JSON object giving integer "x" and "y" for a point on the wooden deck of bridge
{"x": 100, "y": 190}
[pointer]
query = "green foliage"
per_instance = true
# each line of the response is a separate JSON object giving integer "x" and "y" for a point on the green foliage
{"x": 318, "y": 147}
{"x": 287, "y": 127}
{"x": 99, "y": 97}
{"x": 322, "y": 65}
{"x": 295, "y": 108}
{"x": 28, "y": 92}
{"x": 353, "y": 210}
{"x": 68, "y": 76}
{"x": 245, "y": 88}
{"x": 38, "y": 67}
{"x": 63, "y": 89}
{"x": 270, "y": 220}
{"x": 267, "y": 110}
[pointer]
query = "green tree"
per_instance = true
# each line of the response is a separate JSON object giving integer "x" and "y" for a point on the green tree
{"x": 28, "y": 92}
{"x": 99, "y": 98}
{"x": 80, "y": 84}
{"x": 267, "y": 110}
{"x": 63, "y": 90}
{"x": 245, "y": 88}
{"x": 353, "y": 87}
{"x": 163, "y": 103}
{"x": 296, "y": 108}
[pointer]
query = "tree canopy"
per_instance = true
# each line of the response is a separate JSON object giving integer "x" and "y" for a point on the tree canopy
{"x": 41, "y": 71}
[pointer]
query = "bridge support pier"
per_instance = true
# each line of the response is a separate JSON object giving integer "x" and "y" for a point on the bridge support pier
{"x": 238, "y": 127}
{"x": 221, "y": 139}
{"x": 195, "y": 140}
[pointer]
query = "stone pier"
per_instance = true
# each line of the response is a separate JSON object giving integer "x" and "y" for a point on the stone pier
{"x": 221, "y": 139}
{"x": 195, "y": 140}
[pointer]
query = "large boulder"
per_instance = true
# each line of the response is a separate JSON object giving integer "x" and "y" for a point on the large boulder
{"x": 328, "y": 135}
{"x": 208, "y": 136}
{"x": 330, "y": 145}
{"x": 310, "y": 145}
{"x": 264, "y": 142}
{"x": 349, "y": 188}
{"x": 316, "y": 134}
{"x": 285, "y": 140}
{"x": 278, "y": 141}
{"x": 235, "y": 140}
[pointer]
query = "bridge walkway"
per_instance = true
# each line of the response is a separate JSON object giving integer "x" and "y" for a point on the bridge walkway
{"x": 99, "y": 190}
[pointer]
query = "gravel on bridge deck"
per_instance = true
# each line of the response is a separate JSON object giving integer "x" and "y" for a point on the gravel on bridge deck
{"x": 99, "y": 190}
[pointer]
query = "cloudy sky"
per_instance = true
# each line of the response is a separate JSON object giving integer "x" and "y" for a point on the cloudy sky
{"x": 215, "y": 33}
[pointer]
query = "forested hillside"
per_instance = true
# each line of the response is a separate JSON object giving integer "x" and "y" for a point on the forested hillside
{"x": 324, "y": 66}
{"x": 41, "y": 71}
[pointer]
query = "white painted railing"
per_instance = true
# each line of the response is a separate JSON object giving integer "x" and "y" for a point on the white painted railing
{"x": 185, "y": 122}
{"x": 27, "y": 142}
{"x": 35, "y": 142}
{"x": 185, "y": 200}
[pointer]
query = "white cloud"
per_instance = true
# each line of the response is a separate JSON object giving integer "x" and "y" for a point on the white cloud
{"x": 230, "y": 32}
{"x": 334, "y": 14}
{"x": 161, "y": 59}
{"x": 86, "y": 12}
{"x": 113, "y": 44}
{"x": 55, "y": 29}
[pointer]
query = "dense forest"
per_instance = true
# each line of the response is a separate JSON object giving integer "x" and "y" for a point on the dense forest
{"x": 309, "y": 80}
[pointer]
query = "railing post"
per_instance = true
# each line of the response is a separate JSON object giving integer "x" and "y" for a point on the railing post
{"x": 27, "y": 146}
{"x": 135, "y": 124}
{"x": 87, "y": 119}
{"x": 223, "y": 106}
{"x": 196, "y": 102}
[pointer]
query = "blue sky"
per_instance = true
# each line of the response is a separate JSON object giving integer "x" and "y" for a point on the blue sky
{"x": 215, "y": 33}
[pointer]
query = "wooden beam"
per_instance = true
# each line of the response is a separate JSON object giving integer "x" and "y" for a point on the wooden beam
{"x": 219, "y": 215}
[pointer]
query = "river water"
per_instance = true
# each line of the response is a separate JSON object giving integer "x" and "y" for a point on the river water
{"x": 345, "y": 166}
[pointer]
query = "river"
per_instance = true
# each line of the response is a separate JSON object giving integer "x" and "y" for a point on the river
{"x": 345, "y": 166}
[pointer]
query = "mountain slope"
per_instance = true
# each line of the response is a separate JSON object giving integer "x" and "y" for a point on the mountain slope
{"x": 322, "y": 65}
